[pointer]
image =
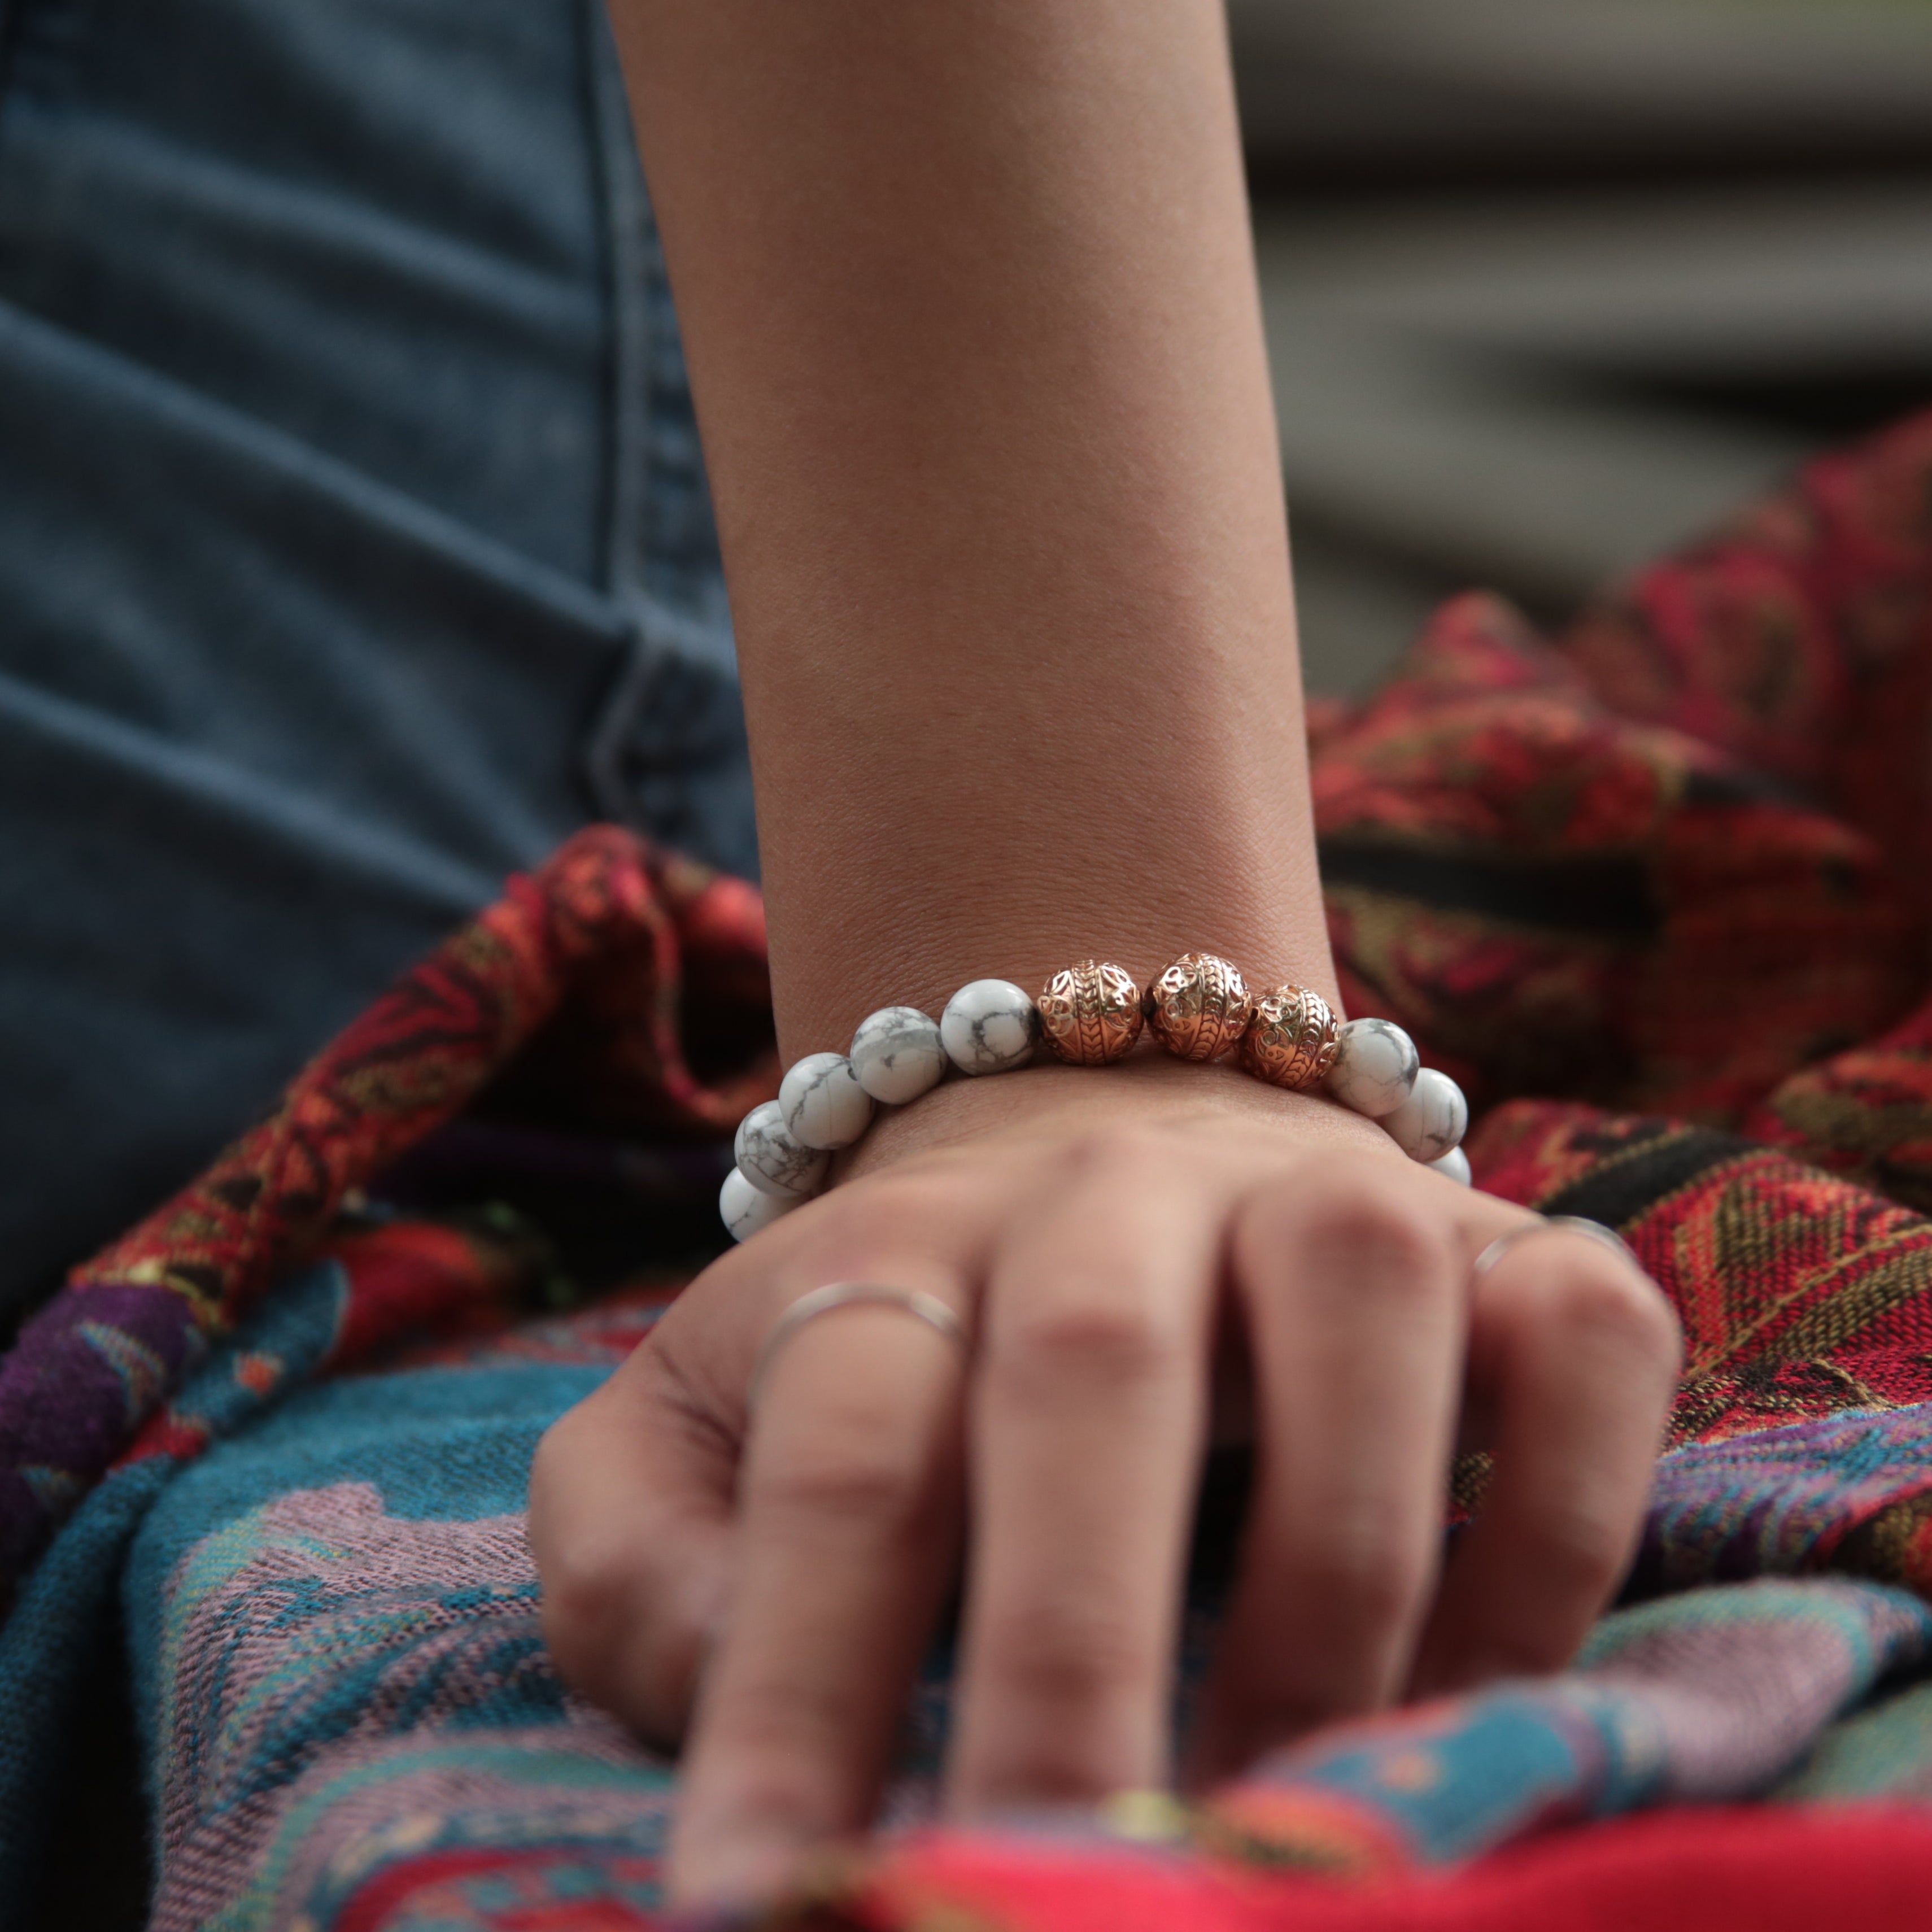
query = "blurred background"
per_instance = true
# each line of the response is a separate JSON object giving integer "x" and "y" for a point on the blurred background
{"x": 1551, "y": 284}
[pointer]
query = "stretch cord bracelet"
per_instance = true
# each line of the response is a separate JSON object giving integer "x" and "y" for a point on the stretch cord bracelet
{"x": 1089, "y": 1015}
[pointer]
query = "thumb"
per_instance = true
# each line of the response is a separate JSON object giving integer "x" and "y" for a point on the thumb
{"x": 630, "y": 1523}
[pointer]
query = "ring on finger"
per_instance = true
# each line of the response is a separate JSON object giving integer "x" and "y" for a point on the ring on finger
{"x": 1543, "y": 1224}
{"x": 836, "y": 1294}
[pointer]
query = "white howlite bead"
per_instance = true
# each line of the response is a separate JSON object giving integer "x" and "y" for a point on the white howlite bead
{"x": 772, "y": 1158}
{"x": 1375, "y": 1067}
{"x": 1456, "y": 1165}
{"x": 989, "y": 1026}
{"x": 745, "y": 1210}
{"x": 1431, "y": 1121}
{"x": 896, "y": 1054}
{"x": 823, "y": 1103}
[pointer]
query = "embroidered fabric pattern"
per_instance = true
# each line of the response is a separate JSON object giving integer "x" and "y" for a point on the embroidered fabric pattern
{"x": 1653, "y": 894}
{"x": 606, "y": 920}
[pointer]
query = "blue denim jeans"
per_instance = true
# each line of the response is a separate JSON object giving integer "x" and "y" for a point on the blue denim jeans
{"x": 354, "y": 544}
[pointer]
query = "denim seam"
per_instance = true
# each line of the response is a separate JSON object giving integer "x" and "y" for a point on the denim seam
{"x": 630, "y": 380}
{"x": 639, "y": 760}
{"x": 630, "y": 353}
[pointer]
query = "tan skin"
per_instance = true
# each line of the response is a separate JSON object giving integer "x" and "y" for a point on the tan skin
{"x": 972, "y": 323}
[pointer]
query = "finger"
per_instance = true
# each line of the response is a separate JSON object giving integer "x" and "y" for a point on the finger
{"x": 848, "y": 1535}
{"x": 630, "y": 1526}
{"x": 1576, "y": 1352}
{"x": 1088, "y": 1418}
{"x": 1353, "y": 1299}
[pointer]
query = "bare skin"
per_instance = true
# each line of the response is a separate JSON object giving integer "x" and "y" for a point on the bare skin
{"x": 971, "y": 316}
{"x": 974, "y": 333}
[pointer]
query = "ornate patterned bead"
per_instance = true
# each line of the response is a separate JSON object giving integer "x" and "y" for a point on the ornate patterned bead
{"x": 1432, "y": 1119}
{"x": 772, "y": 1158}
{"x": 823, "y": 1103}
{"x": 1456, "y": 1165}
{"x": 989, "y": 1026}
{"x": 897, "y": 1055}
{"x": 1199, "y": 1007}
{"x": 1375, "y": 1067}
{"x": 1291, "y": 1041}
{"x": 745, "y": 1210}
{"x": 1090, "y": 1014}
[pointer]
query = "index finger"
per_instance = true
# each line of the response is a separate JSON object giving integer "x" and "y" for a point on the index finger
{"x": 848, "y": 1534}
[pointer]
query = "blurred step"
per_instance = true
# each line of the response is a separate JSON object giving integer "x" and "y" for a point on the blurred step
{"x": 1539, "y": 391}
{"x": 1369, "y": 90}
{"x": 1687, "y": 281}
{"x": 1496, "y": 475}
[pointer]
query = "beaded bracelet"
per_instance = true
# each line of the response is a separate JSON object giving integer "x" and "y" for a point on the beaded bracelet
{"x": 1089, "y": 1014}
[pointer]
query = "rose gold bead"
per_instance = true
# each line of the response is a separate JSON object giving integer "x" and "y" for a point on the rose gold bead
{"x": 1199, "y": 1007}
{"x": 1291, "y": 1041}
{"x": 1091, "y": 1013}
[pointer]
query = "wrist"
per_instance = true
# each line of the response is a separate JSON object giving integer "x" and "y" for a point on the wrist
{"x": 1090, "y": 1014}
{"x": 954, "y": 946}
{"x": 1048, "y": 1099}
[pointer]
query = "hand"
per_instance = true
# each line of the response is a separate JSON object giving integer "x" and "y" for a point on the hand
{"x": 1106, "y": 1239}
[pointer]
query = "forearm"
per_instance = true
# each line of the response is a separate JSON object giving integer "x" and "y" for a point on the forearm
{"x": 971, "y": 318}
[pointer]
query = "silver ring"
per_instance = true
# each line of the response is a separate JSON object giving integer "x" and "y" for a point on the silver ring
{"x": 1574, "y": 1224}
{"x": 915, "y": 1302}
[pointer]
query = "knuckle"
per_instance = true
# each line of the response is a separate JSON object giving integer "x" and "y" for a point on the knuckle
{"x": 1352, "y": 1210}
{"x": 1607, "y": 1303}
{"x": 781, "y": 1725}
{"x": 851, "y": 1476}
{"x": 1370, "y": 1218}
{"x": 1048, "y": 1765}
{"x": 622, "y": 1624}
{"x": 1581, "y": 1555}
{"x": 901, "y": 1202}
{"x": 1118, "y": 1150}
{"x": 1059, "y": 1653}
{"x": 617, "y": 1636}
{"x": 588, "y": 1577}
{"x": 1117, "y": 1339}
{"x": 550, "y": 1472}
{"x": 879, "y": 1218}
{"x": 1366, "y": 1580}
{"x": 590, "y": 1585}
